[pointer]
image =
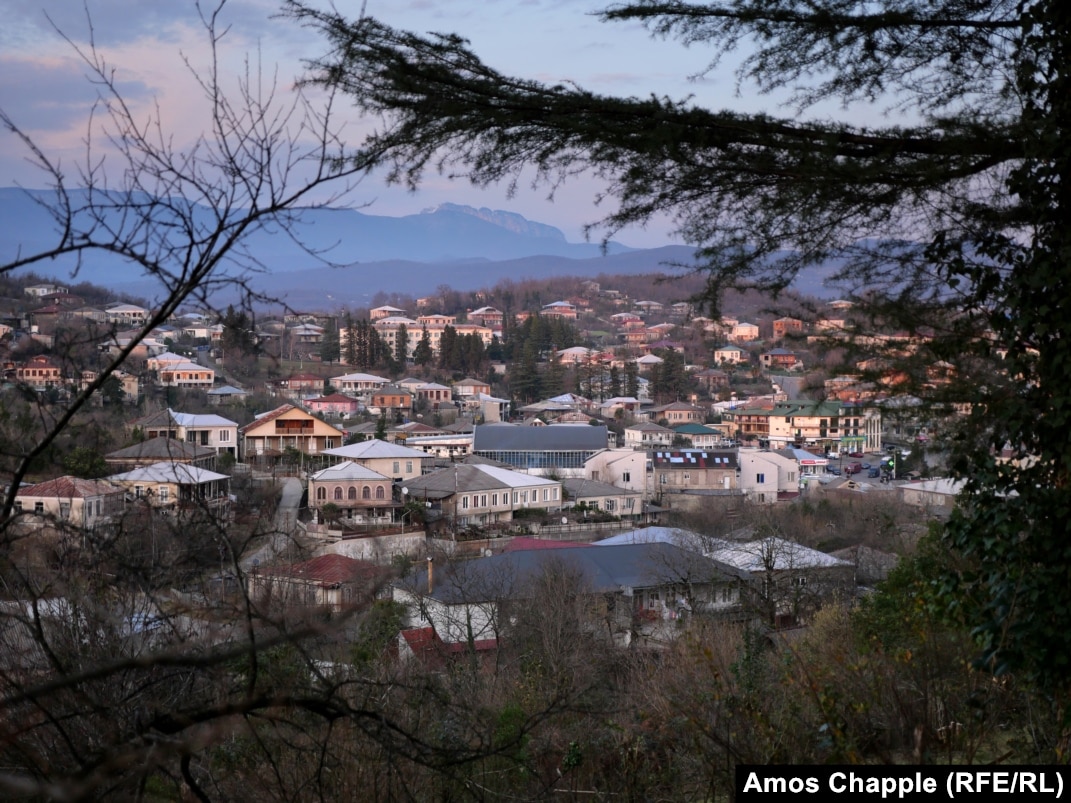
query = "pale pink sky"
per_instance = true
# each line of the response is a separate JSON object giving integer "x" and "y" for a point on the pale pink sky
{"x": 44, "y": 89}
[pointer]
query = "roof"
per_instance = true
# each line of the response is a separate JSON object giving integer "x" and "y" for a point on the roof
{"x": 695, "y": 458}
{"x": 68, "y": 487}
{"x": 556, "y": 437}
{"x": 347, "y": 470}
{"x": 201, "y": 420}
{"x": 694, "y": 429}
{"x": 465, "y": 477}
{"x": 226, "y": 390}
{"x": 579, "y": 488}
{"x": 374, "y": 449}
{"x": 328, "y": 570}
{"x": 611, "y": 569}
{"x": 180, "y": 473}
{"x": 772, "y": 553}
{"x": 359, "y": 377}
{"x": 333, "y": 398}
{"x": 161, "y": 449}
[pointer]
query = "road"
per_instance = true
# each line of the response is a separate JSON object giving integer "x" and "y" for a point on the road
{"x": 283, "y": 528}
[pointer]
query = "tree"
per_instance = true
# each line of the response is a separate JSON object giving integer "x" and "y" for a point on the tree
{"x": 422, "y": 354}
{"x": 401, "y": 347}
{"x": 97, "y": 672}
{"x": 330, "y": 346}
{"x": 951, "y": 225}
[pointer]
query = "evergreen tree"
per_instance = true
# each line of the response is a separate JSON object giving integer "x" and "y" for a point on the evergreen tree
{"x": 349, "y": 339}
{"x": 632, "y": 379}
{"x": 422, "y": 354}
{"x": 401, "y": 347}
{"x": 329, "y": 346}
{"x": 615, "y": 381}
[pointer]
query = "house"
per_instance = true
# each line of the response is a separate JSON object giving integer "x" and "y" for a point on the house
{"x": 635, "y": 591}
{"x": 434, "y": 394}
{"x": 624, "y": 503}
{"x": 158, "y": 450}
{"x": 187, "y": 375}
{"x": 677, "y": 413}
{"x": 767, "y": 477}
{"x": 559, "y": 309}
{"x": 469, "y": 388}
{"x": 750, "y": 422}
{"x": 558, "y": 448}
{"x": 287, "y": 426}
{"x": 783, "y": 327}
{"x": 744, "y": 332}
{"x": 825, "y": 425}
{"x": 84, "y": 504}
{"x": 40, "y": 373}
{"x": 391, "y": 400}
{"x": 786, "y": 582}
{"x": 301, "y": 384}
{"x": 479, "y": 494}
{"x": 386, "y": 311}
{"x": 646, "y": 435}
{"x": 625, "y": 468}
{"x": 731, "y": 355}
{"x": 486, "y": 316}
{"x": 938, "y": 495}
{"x": 333, "y": 404}
{"x": 356, "y": 492}
{"x": 358, "y": 384}
{"x": 699, "y": 436}
{"x": 127, "y": 315}
{"x": 175, "y": 487}
{"x": 793, "y": 581}
{"x": 780, "y": 358}
{"x": 208, "y": 430}
{"x": 226, "y": 394}
{"x": 389, "y": 459}
{"x": 685, "y": 470}
{"x": 336, "y": 582}
{"x": 164, "y": 360}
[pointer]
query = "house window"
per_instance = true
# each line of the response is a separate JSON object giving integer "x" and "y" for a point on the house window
{"x": 224, "y": 436}
{"x": 465, "y": 502}
{"x": 625, "y": 477}
{"x": 338, "y": 492}
{"x": 379, "y": 492}
{"x": 321, "y": 493}
{"x": 760, "y": 478}
{"x": 609, "y": 505}
{"x": 494, "y": 500}
{"x": 164, "y": 493}
{"x": 800, "y": 581}
{"x": 366, "y": 492}
{"x": 98, "y": 507}
{"x": 516, "y": 497}
{"x": 351, "y": 494}
{"x": 408, "y": 466}
{"x": 39, "y": 508}
{"x": 555, "y": 494}
{"x": 546, "y": 494}
{"x": 483, "y": 500}
{"x": 396, "y": 466}
{"x": 139, "y": 491}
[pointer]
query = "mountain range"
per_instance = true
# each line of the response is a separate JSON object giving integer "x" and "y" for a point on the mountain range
{"x": 359, "y": 254}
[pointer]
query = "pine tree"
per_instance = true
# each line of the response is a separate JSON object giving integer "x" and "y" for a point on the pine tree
{"x": 422, "y": 354}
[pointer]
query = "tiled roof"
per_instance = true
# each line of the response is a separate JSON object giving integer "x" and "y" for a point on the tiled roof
{"x": 326, "y": 570}
{"x": 68, "y": 487}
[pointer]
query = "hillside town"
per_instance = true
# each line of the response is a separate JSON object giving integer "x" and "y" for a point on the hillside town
{"x": 463, "y": 421}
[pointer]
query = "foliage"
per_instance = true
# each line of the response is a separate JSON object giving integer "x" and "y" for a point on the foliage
{"x": 85, "y": 462}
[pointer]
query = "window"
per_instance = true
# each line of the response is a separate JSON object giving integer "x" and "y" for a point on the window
{"x": 321, "y": 493}
{"x": 760, "y": 479}
{"x": 494, "y": 500}
{"x": 465, "y": 502}
{"x": 625, "y": 477}
{"x": 608, "y": 505}
{"x": 516, "y": 497}
{"x": 555, "y": 494}
{"x": 164, "y": 493}
{"x": 338, "y": 492}
{"x": 408, "y": 466}
{"x": 98, "y": 507}
{"x": 396, "y": 466}
{"x": 366, "y": 492}
{"x": 483, "y": 500}
{"x": 139, "y": 491}
{"x": 39, "y": 508}
{"x": 224, "y": 436}
{"x": 546, "y": 494}
{"x": 351, "y": 494}
{"x": 379, "y": 492}
{"x": 800, "y": 581}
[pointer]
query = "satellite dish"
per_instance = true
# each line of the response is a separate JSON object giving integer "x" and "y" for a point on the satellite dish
{"x": 487, "y": 552}
{"x": 565, "y": 519}
{"x": 405, "y": 491}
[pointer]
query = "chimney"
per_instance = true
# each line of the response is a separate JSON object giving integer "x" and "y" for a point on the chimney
{"x": 431, "y": 573}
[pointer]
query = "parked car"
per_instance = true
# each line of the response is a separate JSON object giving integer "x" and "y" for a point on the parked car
{"x": 853, "y": 468}
{"x": 874, "y": 473}
{"x": 855, "y": 454}
{"x": 833, "y": 470}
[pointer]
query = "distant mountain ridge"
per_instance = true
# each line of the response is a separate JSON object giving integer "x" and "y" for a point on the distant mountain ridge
{"x": 462, "y": 246}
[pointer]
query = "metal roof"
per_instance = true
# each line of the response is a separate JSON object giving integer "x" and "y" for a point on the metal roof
{"x": 556, "y": 438}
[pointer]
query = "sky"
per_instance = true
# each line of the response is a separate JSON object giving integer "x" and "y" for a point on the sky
{"x": 44, "y": 87}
